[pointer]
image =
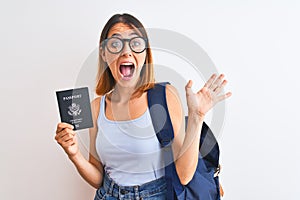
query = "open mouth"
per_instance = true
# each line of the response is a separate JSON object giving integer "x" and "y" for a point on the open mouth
{"x": 127, "y": 69}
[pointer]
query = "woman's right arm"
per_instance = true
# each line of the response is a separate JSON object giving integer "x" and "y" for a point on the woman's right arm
{"x": 91, "y": 170}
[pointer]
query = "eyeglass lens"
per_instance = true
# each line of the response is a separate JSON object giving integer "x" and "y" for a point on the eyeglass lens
{"x": 136, "y": 44}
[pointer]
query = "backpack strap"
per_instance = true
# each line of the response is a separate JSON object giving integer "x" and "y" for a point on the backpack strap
{"x": 158, "y": 108}
{"x": 161, "y": 121}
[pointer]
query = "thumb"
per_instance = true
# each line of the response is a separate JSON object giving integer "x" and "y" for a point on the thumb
{"x": 189, "y": 85}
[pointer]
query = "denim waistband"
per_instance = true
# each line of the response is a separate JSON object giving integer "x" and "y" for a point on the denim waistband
{"x": 134, "y": 192}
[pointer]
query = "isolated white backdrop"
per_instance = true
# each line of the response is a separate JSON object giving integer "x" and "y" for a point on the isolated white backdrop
{"x": 255, "y": 43}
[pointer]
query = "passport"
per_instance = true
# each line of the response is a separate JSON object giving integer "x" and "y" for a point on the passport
{"x": 75, "y": 108}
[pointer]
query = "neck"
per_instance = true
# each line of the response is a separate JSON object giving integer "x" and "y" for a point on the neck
{"x": 122, "y": 94}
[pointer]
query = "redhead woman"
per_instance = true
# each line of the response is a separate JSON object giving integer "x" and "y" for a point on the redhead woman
{"x": 125, "y": 159}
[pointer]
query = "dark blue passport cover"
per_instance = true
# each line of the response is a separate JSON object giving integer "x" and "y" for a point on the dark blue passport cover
{"x": 74, "y": 107}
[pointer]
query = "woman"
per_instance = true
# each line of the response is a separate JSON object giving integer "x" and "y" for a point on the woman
{"x": 125, "y": 158}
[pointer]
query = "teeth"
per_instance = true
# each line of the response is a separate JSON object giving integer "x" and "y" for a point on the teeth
{"x": 126, "y": 63}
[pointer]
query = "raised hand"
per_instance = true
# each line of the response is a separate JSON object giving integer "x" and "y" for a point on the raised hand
{"x": 201, "y": 102}
{"x": 66, "y": 137}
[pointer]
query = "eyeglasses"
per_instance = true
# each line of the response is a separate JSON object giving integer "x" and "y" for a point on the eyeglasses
{"x": 115, "y": 45}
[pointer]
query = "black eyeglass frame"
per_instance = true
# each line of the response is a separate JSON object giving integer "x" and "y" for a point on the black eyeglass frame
{"x": 104, "y": 43}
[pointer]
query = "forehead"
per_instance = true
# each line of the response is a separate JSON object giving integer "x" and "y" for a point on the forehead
{"x": 123, "y": 30}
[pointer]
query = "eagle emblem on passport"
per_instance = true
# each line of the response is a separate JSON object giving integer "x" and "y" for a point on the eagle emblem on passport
{"x": 74, "y": 109}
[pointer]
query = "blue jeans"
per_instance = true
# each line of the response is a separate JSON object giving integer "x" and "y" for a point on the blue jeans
{"x": 153, "y": 190}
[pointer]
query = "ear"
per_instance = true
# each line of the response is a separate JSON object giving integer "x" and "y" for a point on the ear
{"x": 102, "y": 53}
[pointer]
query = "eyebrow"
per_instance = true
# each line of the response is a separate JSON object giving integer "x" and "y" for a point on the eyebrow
{"x": 118, "y": 34}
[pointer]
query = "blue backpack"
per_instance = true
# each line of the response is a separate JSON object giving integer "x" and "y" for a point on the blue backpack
{"x": 204, "y": 184}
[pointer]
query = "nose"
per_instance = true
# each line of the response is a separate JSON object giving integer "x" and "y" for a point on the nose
{"x": 126, "y": 51}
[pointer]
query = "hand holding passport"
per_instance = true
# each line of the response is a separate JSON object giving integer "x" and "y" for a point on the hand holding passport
{"x": 74, "y": 107}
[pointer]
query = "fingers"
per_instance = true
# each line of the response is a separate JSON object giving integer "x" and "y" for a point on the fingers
{"x": 64, "y": 133}
{"x": 222, "y": 97}
{"x": 67, "y": 141}
{"x": 216, "y": 84}
{"x": 61, "y": 126}
{"x": 64, "y": 136}
{"x": 189, "y": 84}
{"x": 210, "y": 81}
{"x": 218, "y": 89}
{"x": 188, "y": 88}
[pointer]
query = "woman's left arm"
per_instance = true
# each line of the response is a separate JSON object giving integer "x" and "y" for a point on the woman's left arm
{"x": 186, "y": 142}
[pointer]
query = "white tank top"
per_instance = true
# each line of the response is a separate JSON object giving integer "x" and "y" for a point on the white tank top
{"x": 129, "y": 150}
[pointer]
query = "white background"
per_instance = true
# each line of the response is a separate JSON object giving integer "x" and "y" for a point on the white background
{"x": 255, "y": 43}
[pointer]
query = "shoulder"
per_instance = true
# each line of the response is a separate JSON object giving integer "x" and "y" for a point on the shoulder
{"x": 95, "y": 107}
{"x": 96, "y": 102}
{"x": 166, "y": 91}
{"x": 173, "y": 101}
{"x": 172, "y": 94}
